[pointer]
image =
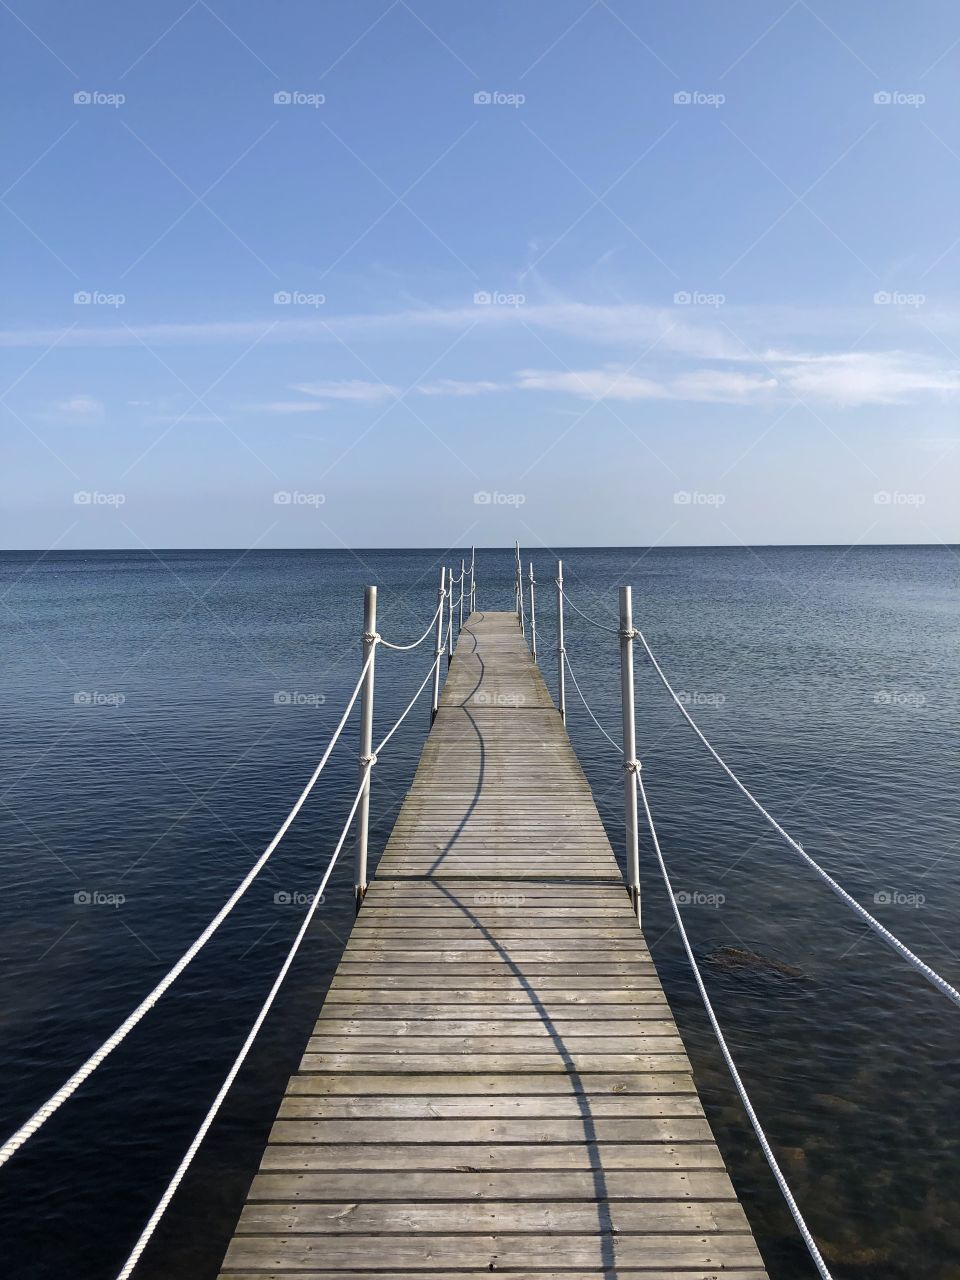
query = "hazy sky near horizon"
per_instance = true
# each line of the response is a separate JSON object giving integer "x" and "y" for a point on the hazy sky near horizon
{"x": 391, "y": 273}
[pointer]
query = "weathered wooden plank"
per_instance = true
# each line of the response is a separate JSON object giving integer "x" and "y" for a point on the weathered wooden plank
{"x": 403, "y": 1060}
{"x": 633, "y": 1107}
{"x": 623, "y": 1273}
{"x": 497, "y": 1157}
{"x": 554, "y": 1184}
{"x": 482, "y": 1045}
{"x": 597, "y": 1250}
{"x": 535, "y": 1011}
{"x": 550, "y": 1218}
{"x": 434, "y": 978}
{"x": 438, "y": 1085}
{"x": 642, "y": 1129}
{"x": 569, "y": 1033}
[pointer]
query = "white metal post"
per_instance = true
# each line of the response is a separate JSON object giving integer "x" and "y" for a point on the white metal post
{"x": 533, "y": 616}
{"x": 473, "y": 580}
{"x": 463, "y": 587}
{"x": 438, "y": 649}
{"x": 630, "y": 763}
{"x": 561, "y": 659}
{"x": 519, "y": 578}
{"x": 449, "y": 616}
{"x": 366, "y": 742}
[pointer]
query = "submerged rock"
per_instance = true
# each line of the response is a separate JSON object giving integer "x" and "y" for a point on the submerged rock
{"x": 740, "y": 958}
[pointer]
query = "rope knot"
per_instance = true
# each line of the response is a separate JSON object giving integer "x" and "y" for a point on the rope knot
{"x": 372, "y": 637}
{"x": 628, "y": 633}
{"x": 632, "y": 766}
{"x": 370, "y": 760}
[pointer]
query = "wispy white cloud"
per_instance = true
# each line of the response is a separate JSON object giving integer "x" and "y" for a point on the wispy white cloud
{"x": 869, "y": 377}
{"x": 612, "y": 383}
{"x": 353, "y": 389}
{"x": 78, "y": 408}
{"x": 711, "y": 354}
{"x": 456, "y": 387}
{"x": 287, "y": 407}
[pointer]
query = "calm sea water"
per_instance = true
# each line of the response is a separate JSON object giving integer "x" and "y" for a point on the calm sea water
{"x": 163, "y": 711}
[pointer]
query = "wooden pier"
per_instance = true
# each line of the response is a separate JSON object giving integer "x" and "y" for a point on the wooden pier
{"x": 495, "y": 1081}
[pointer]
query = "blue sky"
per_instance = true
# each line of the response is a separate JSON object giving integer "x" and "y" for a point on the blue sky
{"x": 442, "y": 273}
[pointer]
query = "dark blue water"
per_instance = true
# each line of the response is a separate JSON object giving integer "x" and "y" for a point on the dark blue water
{"x": 163, "y": 711}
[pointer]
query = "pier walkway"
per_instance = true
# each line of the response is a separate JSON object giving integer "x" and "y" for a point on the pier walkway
{"x": 495, "y": 1081}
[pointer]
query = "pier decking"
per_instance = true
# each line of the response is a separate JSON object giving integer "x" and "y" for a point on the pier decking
{"x": 495, "y": 1081}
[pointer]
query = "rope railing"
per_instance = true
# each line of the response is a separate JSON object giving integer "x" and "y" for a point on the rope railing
{"x": 70, "y": 1086}
{"x": 367, "y": 764}
{"x": 409, "y": 707}
{"x": 402, "y": 648}
{"x": 368, "y": 758}
{"x": 576, "y": 684}
{"x": 593, "y": 622}
{"x": 164, "y": 1203}
{"x": 931, "y": 975}
{"x": 728, "y": 1058}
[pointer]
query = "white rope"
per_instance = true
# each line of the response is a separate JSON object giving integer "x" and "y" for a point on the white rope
{"x": 891, "y": 939}
{"x": 721, "y": 1041}
{"x": 136, "y": 1252}
{"x": 410, "y": 705}
{"x": 614, "y": 631}
{"x": 587, "y": 705}
{"x": 771, "y": 1159}
{"x": 66, "y": 1090}
{"x": 416, "y": 643}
